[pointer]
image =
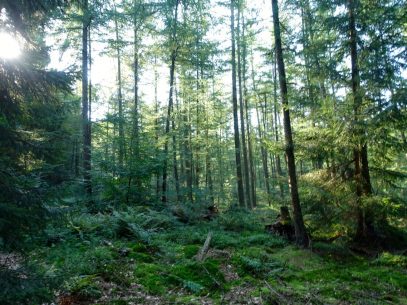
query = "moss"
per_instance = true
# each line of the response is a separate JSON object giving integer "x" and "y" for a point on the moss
{"x": 255, "y": 261}
{"x": 139, "y": 247}
{"x": 150, "y": 276}
{"x": 329, "y": 275}
{"x": 144, "y": 248}
{"x": 198, "y": 277}
{"x": 85, "y": 287}
{"x": 266, "y": 240}
{"x": 190, "y": 251}
{"x": 298, "y": 258}
{"x": 348, "y": 282}
{"x": 141, "y": 257}
{"x": 117, "y": 272}
{"x": 118, "y": 302}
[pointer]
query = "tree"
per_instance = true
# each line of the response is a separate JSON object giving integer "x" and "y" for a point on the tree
{"x": 173, "y": 58}
{"x": 86, "y": 125}
{"x": 301, "y": 236}
{"x": 239, "y": 176}
{"x": 34, "y": 143}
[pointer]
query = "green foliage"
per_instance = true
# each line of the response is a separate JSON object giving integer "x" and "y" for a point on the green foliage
{"x": 25, "y": 285}
{"x": 238, "y": 220}
{"x": 84, "y": 287}
{"x": 191, "y": 250}
{"x": 330, "y": 206}
{"x": 79, "y": 265}
{"x": 391, "y": 260}
{"x": 197, "y": 277}
{"x": 23, "y": 217}
{"x": 257, "y": 262}
{"x": 34, "y": 106}
{"x": 191, "y": 212}
{"x": 121, "y": 235}
{"x": 133, "y": 223}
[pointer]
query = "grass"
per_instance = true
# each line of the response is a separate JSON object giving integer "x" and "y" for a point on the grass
{"x": 242, "y": 259}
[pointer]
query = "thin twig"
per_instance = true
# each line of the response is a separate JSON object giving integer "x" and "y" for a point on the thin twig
{"x": 280, "y": 296}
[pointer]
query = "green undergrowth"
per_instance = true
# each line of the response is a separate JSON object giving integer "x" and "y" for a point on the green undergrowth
{"x": 157, "y": 252}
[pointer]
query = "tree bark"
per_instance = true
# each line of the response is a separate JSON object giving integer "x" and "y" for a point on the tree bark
{"x": 362, "y": 176}
{"x": 174, "y": 152}
{"x": 157, "y": 127}
{"x": 119, "y": 96}
{"x": 170, "y": 104}
{"x": 85, "y": 104}
{"x": 263, "y": 151}
{"x": 240, "y": 191}
{"x": 252, "y": 172}
{"x": 136, "y": 87}
{"x": 246, "y": 180}
{"x": 301, "y": 236}
{"x": 279, "y": 171}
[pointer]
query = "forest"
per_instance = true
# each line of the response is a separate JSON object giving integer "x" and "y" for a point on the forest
{"x": 203, "y": 152}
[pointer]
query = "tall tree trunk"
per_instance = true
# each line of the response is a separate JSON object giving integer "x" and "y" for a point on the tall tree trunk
{"x": 252, "y": 173}
{"x": 208, "y": 162}
{"x": 276, "y": 131}
{"x": 119, "y": 95}
{"x": 170, "y": 104}
{"x": 301, "y": 236}
{"x": 246, "y": 180}
{"x": 188, "y": 152}
{"x": 197, "y": 131}
{"x": 240, "y": 191}
{"x": 311, "y": 75}
{"x": 136, "y": 87}
{"x": 174, "y": 151}
{"x": 263, "y": 151}
{"x": 221, "y": 174}
{"x": 134, "y": 142}
{"x": 157, "y": 127}
{"x": 167, "y": 129}
{"x": 85, "y": 103}
{"x": 362, "y": 176}
{"x": 263, "y": 157}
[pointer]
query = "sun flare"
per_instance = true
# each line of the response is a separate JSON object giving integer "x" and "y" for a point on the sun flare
{"x": 9, "y": 46}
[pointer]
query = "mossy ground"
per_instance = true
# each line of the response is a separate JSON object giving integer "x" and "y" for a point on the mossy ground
{"x": 245, "y": 265}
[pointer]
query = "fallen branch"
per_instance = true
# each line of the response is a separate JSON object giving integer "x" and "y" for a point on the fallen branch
{"x": 202, "y": 252}
{"x": 282, "y": 299}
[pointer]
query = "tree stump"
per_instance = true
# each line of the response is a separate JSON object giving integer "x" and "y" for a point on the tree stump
{"x": 283, "y": 225}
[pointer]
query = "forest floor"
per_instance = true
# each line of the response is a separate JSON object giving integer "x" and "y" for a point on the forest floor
{"x": 147, "y": 257}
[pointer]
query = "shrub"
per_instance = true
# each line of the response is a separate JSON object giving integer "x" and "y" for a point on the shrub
{"x": 84, "y": 287}
{"x": 23, "y": 286}
{"x": 239, "y": 220}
